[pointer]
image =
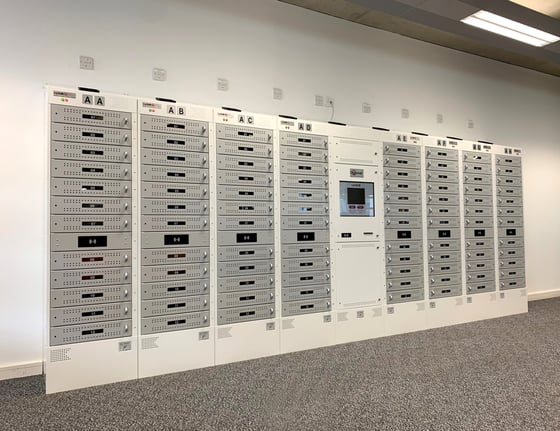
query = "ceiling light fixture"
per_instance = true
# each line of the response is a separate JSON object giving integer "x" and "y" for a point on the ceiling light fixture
{"x": 508, "y": 28}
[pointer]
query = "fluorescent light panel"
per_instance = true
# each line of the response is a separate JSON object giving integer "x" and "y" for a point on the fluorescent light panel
{"x": 508, "y": 28}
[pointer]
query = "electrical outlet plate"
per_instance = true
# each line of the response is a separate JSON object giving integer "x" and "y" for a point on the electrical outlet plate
{"x": 329, "y": 101}
{"x": 319, "y": 100}
{"x": 277, "y": 93}
{"x": 223, "y": 84}
{"x": 366, "y": 108}
{"x": 405, "y": 113}
{"x": 470, "y": 124}
{"x": 86, "y": 63}
{"x": 439, "y": 118}
{"x": 159, "y": 74}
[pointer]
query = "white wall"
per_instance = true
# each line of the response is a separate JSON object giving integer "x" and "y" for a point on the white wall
{"x": 257, "y": 45}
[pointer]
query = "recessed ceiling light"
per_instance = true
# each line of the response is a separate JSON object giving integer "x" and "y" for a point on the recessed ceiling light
{"x": 508, "y": 28}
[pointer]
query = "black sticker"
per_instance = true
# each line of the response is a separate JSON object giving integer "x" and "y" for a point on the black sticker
{"x": 404, "y": 234}
{"x": 480, "y": 232}
{"x": 346, "y": 235}
{"x": 175, "y": 240}
{"x": 92, "y": 241}
{"x": 246, "y": 237}
{"x": 444, "y": 234}
{"x": 511, "y": 232}
{"x": 306, "y": 236}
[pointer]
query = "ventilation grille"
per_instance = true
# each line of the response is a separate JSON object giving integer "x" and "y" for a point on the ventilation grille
{"x": 149, "y": 343}
{"x": 58, "y": 355}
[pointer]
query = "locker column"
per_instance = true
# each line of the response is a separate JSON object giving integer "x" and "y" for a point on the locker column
{"x": 175, "y": 237}
{"x": 90, "y": 297}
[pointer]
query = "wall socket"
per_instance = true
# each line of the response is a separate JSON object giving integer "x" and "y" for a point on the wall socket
{"x": 405, "y": 113}
{"x": 159, "y": 74}
{"x": 277, "y": 93}
{"x": 329, "y": 101}
{"x": 319, "y": 100}
{"x": 366, "y": 108}
{"x": 223, "y": 84}
{"x": 86, "y": 63}
{"x": 439, "y": 118}
{"x": 470, "y": 124}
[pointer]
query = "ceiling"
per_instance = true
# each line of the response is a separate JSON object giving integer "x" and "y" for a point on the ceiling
{"x": 438, "y": 22}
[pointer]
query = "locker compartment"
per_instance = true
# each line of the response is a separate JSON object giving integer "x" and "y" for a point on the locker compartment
{"x": 243, "y": 133}
{"x": 405, "y": 296}
{"x": 90, "y": 205}
{"x": 303, "y": 167}
{"x": 510, "y": 212}
{"x": 90, "y": 295}
{"x": 439, "y": 222}
{"x": 237, "y": 148}
{"x": 479, "y": 242}
{"x": 152, "y": 274}
{"x": 509, "y": 191}
{"x": 408, "y": 150}
{"x": 398, "y": 197}
{"x": 509, "y": 273}
{"x": 303, "y": 140}
{"x": 443, "y": 280}
{"x": 478, "y": 276}
{"x": 511, "y": 242}
{"x": 444, "y": 234}
{"x": 174, "y": 190}
{"x": 174, "y": 174}
{"x": 302, "y": 153}
{"x": 444, "y": 268}
{"x": 174, "y": 207}
{"x": 303, "y": 195}
{"x": 89, "y": 259}
{"x": 473, "y": 232}
{"x": 442, "y": 165}
{"x": 90, "y": 223}
{"x": 252, "y": 282}
{"x": 305, "y": 251}
{"x": 506, "y": 233}
{"x": 472, "y": 156}
{"x": 444, "y": 292}
{"x": 407, "y": 283}
{"x": 90, "y": 116}
{"x": 399, "y": 271}
{"x": 175, "y": 255}
{"x": 512, "y": 262}
{"x": 256, "y": 237}
{"x": 186, "y": 304}
{"x": 90, "y": 277}
{"x": 508, "y": 171}
{"x": 166, "y": 141}
{"x": 305, "y": 293}
{"x": 90, "y": 188}
{"x": 93, "y": 170}
{"x": 175, "y": 322}
{"x": 90, "y": 313}
{"x": 304, "y": 222}
{"x": 237, "y": 268}
{"x": 478, "y": 189}
{"x": 440, "y": 257}
{"x": 244, "y": 209}
{"x": 90, "y": 332}
{"x": 304, "y": 182}
{"x": 478, "y": 211}
{"x": 307, "y": 208}
{"x": 508, "y": 161}
{"x": 88, "y": 242}
{"x": 252, "y": 164}
{"x": 480, "y": 287}
{"x": 245, "y": 193}
{"x": 177, "y": 126}
{"x": 184, "y": 159}
{"x": 291, "y": 279}
{"x": 442, "y": 153}
{"x": 444, "y": 245}
{"x": 442, "y": 177}
{"x": 412, "y": 259}
{"x": 443, "y": 211}
{"x": 443, "y": 199}
{"x": 401, "y": 162}
{"x": 402, "y": 186}
{"x": 173, "y": 223}
{"x": 90, "y": 134}
{"x": 246, "y": 298}
{"x": 245, "y": 222}
{"x": 393, "y": 222}
{"x": 405, "y": 246}
{"x": 477, "y": 168}
{"x": 509, "y": 252}
{"x": 443, "y": 188}
{"x": 171, "y": 240}
{"x": 91, "y": 152}
{"x": 400, "y": 235}
{"x": 478, "y": 200}
{"x": 475, "y": 221}
{"x": 245, "y": 252}
{"x": 474, "y": 178}
{"x": 480, "y": 265}
{"x": 509, "y": 201}
{"x": 403, "y": 174}
{"x": 306, "y": 264}
{"x": 173, "y": 289}
{"x": 476, "y": 254}
{"x": 514, "y": 283}
{"x": 245, "y": 178}
{"x": 505, "y": 221}
{"x": 508, "y": 181}
{"x": 305, "y": 237}
{"x": 228, "y": 316}
{"x": 306, "y": 307}
{"x": 408, "y": 210}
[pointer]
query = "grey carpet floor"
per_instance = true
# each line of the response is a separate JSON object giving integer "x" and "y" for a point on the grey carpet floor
{"x": 501, "y": 374}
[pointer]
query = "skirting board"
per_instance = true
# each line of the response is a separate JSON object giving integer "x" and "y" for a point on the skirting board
{"x": 21, "y": 370}
{"x": 543, "y": 294}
